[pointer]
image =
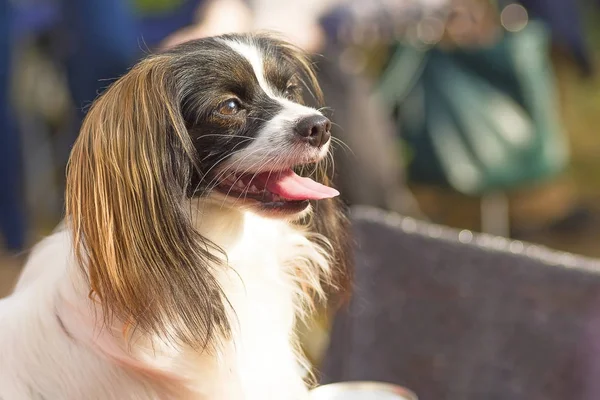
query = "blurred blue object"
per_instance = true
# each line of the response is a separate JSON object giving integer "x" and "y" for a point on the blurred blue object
{"x": 100, "y": 39}
{"x": 103, "y": 37}
{"x": 564, "y": 20}
{"x": 155, "y": 28}
{"x": 30, "y": 18}
{"x": 12, "y": 222}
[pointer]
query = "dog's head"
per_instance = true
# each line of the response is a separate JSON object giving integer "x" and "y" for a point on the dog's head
{"x": 221, "y": 119}
{"x": 242, "y": 101}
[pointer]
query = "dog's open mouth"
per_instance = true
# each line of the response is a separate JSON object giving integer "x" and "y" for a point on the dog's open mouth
{"x": 279, "y": 189}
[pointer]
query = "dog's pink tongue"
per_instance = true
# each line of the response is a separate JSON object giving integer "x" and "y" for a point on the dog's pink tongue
{"x": 292, "y": 186}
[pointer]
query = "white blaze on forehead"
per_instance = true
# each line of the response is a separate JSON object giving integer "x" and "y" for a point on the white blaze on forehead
{"x": 255, "y": 57}
{"x": 253, "y": 54}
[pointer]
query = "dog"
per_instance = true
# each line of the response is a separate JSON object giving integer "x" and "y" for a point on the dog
{"x": 200, "y": 226}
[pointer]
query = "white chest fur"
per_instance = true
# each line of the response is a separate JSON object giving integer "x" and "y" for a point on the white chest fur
{"x": 268, "y": 262}
{"x": 263, "y": 288}
{"x": 262, "y": 293}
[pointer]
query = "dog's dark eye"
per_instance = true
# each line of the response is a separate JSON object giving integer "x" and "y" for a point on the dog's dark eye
{"x": 291, "y": 92}
{"x": 229, "y": 107}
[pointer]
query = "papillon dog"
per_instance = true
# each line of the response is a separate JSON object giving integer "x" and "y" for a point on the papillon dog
{"x": 200, "y": 226}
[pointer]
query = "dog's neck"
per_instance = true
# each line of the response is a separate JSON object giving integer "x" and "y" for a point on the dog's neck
{"x": 221, "y": 224}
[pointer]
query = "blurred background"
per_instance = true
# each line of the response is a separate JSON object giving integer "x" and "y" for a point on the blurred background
{"x": 476, "y": 114}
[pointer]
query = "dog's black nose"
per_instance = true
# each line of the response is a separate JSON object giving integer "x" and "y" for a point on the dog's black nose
{"x": 316, "y": 130}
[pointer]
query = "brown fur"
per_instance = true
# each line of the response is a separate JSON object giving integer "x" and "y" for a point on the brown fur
{"x": 126, "y": 200}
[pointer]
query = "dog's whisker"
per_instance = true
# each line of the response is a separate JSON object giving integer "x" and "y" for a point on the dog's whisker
{"x": 263, "y": 162}
{"x": 232, "y": 137}
{"x": 337, "y": 125}
{"x": 239, "y": 163}
{"x": 251, "y": 167}
{"x": 205, "y": 174}
{"x": 340, "y": 142}
{"x": 325, "y": 108}
{"x": 216, "y": 163}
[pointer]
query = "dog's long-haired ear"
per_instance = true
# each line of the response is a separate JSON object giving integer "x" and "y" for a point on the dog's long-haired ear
{"x": 126, "y": 201}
